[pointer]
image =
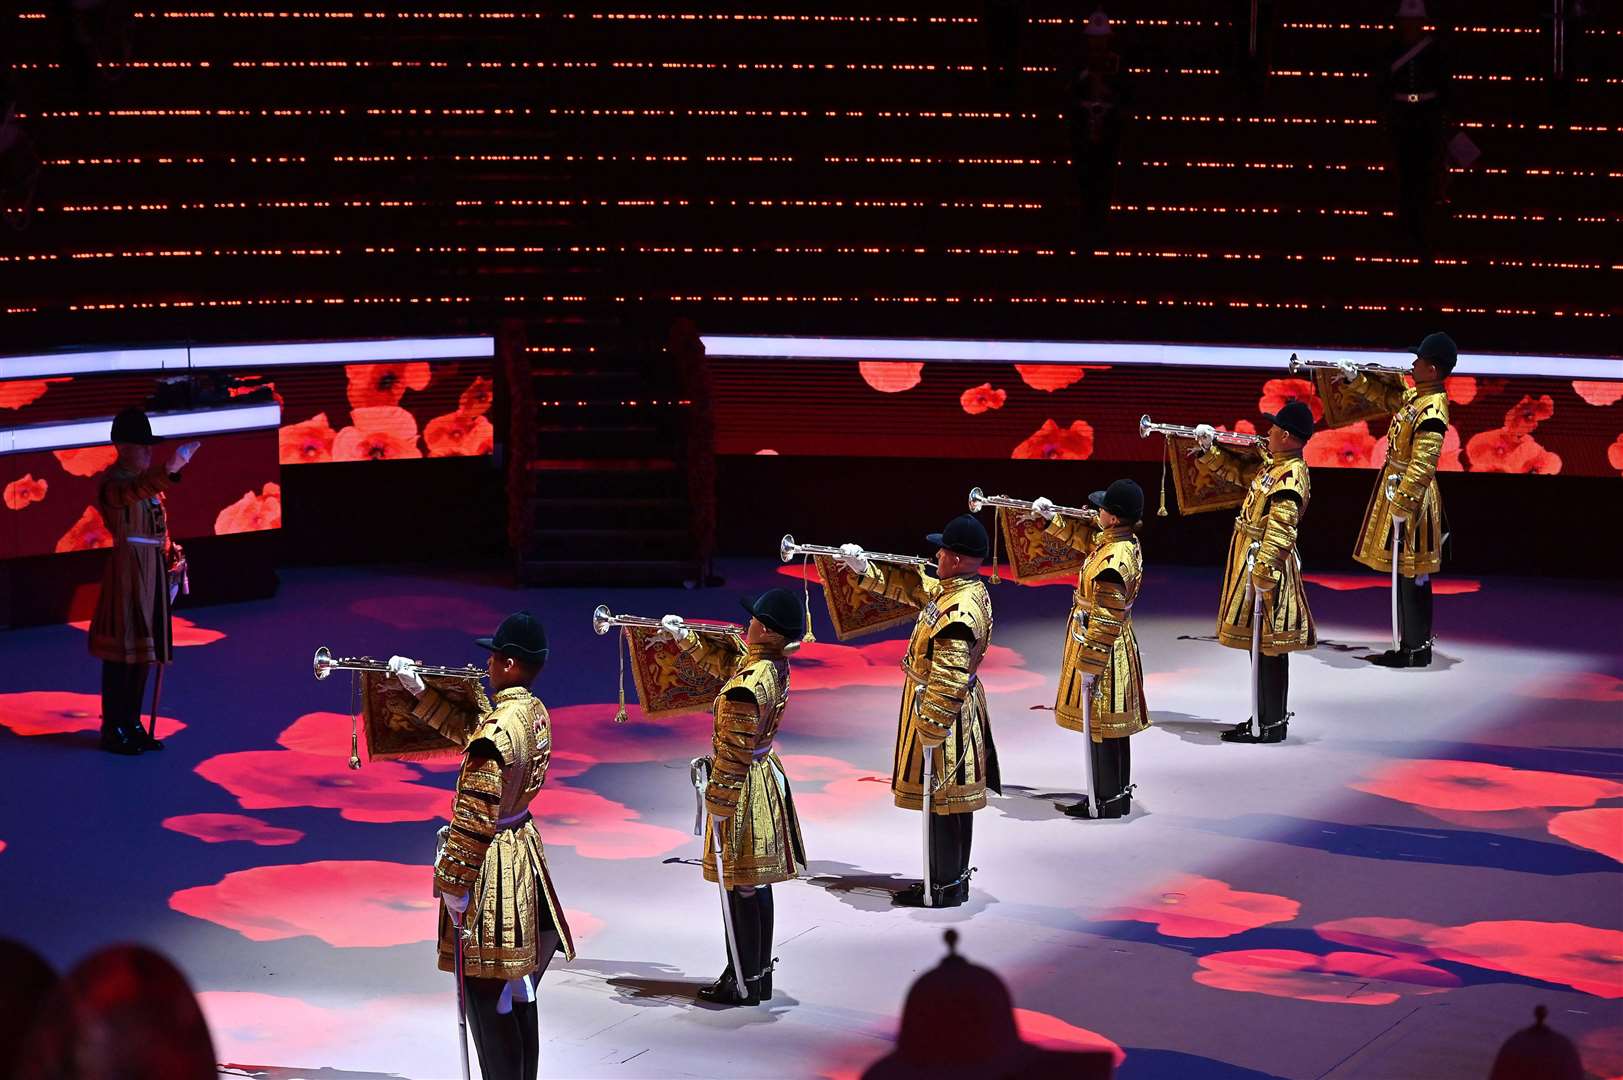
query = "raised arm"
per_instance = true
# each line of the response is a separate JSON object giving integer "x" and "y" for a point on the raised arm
{"x": 1385, "y": 389}
{"x": 1078, "y": 534}
{"x": 120, "y": 491}
{"x": 716, "y": 653}
{"x": 902, "y": 583}
{"x": 1233, "y": 464}
{"x": 454, "y": 720}
{"x": 738, "y": 727}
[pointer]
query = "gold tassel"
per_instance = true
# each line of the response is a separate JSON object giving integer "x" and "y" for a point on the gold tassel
{"x": 354, "y": 720}
{"x": 805, "y": 584}
{"x": 997, "y": 527}
{"x": 1164, "y": 459}
{"x": 620, "y": 717}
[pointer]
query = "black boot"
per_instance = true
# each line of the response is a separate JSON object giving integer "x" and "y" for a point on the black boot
{"x": 120, "y": 740}
{"x": 763, "y": 901}
{"x": 731, "y": 988}
{"x": 529, "y": 1033}
{"x": 117, "y": 706}
{"x": 1078, "y": 808}
{"x": 496, "y": 1037}
{"x": 1271, "y": 733}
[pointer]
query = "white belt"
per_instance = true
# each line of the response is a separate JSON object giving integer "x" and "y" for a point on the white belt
{"x": 153, "y": 541}
{"x": 1415, "y": 99}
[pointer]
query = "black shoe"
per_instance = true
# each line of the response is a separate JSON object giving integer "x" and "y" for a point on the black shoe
{"x": 1392, "y": 658}
{"x": 146, "y": 739}
{"x": 1078, "y": 809}
{"x": 725, "y": 991}
{"x": 1244, "y": 725}
{"x": 1271, "y": 733}
{"x": 1420, "y": 657}
{"x": 951, "y": 896}
{"x": 117, "y": 740}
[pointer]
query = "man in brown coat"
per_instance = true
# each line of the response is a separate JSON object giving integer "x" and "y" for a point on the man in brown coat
{"x": 131, "y": 631}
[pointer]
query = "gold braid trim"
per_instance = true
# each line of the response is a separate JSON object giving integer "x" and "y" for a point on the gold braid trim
{"x": 473, "y": 825}
{"x": 1278, "y": 541}
{"x": 948, "y": 685}
{"x": 1105, "y": 624}
{"x": 738, "y": 726}
{"x": 1424, "y": 452}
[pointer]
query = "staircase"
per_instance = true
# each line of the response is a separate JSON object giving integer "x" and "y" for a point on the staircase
{"x": 602, "y": 488}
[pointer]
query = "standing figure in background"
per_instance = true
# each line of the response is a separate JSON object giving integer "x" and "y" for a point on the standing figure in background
{"x": 1414, "y": 85}
{"x": 943, "y": 712}
{"x": 1262, "y": 557}
{"x": 1097, "y": 109}
{"x": 491, "y": 875}
{"x": 1406, "y": 494}
{"x": 1100, "y": 664}
{"x": 131, "y": 630}
{"x": 748, "y": 796}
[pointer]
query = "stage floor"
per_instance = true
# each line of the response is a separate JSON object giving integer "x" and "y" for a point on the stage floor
{"x": 1387, "y": 894}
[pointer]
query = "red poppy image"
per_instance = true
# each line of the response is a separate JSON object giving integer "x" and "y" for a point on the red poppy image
{"x": 459, "y": 434}
{"x": 766, "y": 453}
{"x": 891, "y": 376}
{"x": 1506, "y": 451}
{"x": 475, "y": 400}
{"x": 252, "y": 513}
{"x": 982, "y": 398}
{"x": 1245, "y": 427}
{"x": 223, "y": 828}
{"x": 86, "y": 460}
{"x": 19, "y": 392}
{"x": 347, "y": 904}
{"x": 1340, "y": 978}
{"x": 379, "y": 433}
{"x": 1052, "y": 442}
{"x": 1447, "y": 461}
{"x": 1598, "y": 391}
{"x": 89, "y": 532}
{"x": 829, "y": 789}
{"x": 1477, "y": 785}
{"x": 589, "y": 733}
{"x": 1574, "y": 686}
{"x": 1350, "y": 582}
{"x": 306, "y": 442}
{"x": 824, "y": 665}
{"x": 1614, "y": 454}
{"x": 384, "y": 384}
{"x": 1599, "y": 829}
{"x": 599, "y": 828}
{"x": 54, "y": 712}
{"x": 24, "y": 491}
{"x": 1528, "y": 413}
{"x": 1460, "y": 389}
{"x": 383, "y": 791}
{"x": 1350, "y": 447}
{"x": 1277, "y": 393}
{"x": 1602, "y": 1052}
{"x": 184, "y": 631}
{"x": 1052, "y": 1033}
{"x": 1571, "y": 954}
{"x": 1189, "y": 906}
{"x": 1051, "y": 377}
{"x": 325, "y": 734}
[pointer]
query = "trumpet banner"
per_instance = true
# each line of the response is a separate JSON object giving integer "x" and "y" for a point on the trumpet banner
{"x": 855, "y": 611}
{"x": 1341, "y": 405}
{"x": 1197, "y": 490}
{"x": 393, "y": 734}
{"x": 668, "y": 682}
{"x": 1034, "y": 554}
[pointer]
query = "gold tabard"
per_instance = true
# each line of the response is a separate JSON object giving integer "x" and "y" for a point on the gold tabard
{"x": 1099, "y": 638}
{"x": 1270, "y": 518}
{"x": 1410, "y": 472}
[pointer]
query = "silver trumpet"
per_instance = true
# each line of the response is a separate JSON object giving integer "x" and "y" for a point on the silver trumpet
{"x": 1297, "y": 366}
{"x": 604, "y": 620}
{"x": 788, "y": 549}
{"x": 978, "y": 499}
{"x": 326, "y": 663}
{"x": 1148, "y": 427}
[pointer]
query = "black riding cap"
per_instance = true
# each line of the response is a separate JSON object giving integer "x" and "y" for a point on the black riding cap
{"x": 779, "y": 610}
{"x": 963, "y": 534}
{"x": 1295, "y": 418}
{"x": 132, "y": 426}
{"x": 520, "y": 636}
{"x": 1124, "y": 498}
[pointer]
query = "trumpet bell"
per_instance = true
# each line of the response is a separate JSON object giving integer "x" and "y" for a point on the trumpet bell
{"x": 977, "y": 499}
{"x": 1295, "y": 366}
{"x": 323, "y": 662}
{"x": 1145, "y": 426}
{"x": 786, "y": 548}
{"x": 602, "y": 619}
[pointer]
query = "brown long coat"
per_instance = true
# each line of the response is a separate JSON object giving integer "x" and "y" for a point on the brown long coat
{"x": 131, "y": 624}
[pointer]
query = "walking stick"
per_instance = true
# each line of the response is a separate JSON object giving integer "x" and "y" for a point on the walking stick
{"x": 727, "y": 909}
{"x": 157, "y": 688}
{"x": 1256, "y": 643}
{"x": 929, "y": 780}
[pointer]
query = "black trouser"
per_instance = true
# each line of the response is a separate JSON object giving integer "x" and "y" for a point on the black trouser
{"x": 1112, "y": 773}
{"x": 1414, "y": 612}
{"x": 752, "y": 926}
{"x": 508, "y": 1044}
{"x": 122, "y": 688}
{"x": 950, "y": 837}
{"x": 1273, "y": 688}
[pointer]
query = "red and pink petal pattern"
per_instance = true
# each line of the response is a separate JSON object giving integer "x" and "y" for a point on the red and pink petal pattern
{"x": 56, "y": 712}
{"x": 383, "y": 791}
{"x": 1598, "y": 829}
{"x": 1190, "y": 906}
{"x": 347, "y": 904}
{"x": 222, "y": 828}
{"x": 1477, "y": 785}
{"x": 1341, "y": 978}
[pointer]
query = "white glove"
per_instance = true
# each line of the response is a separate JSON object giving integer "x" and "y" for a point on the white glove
{"x": 671, "y": 628}
{"x": 400, "y": 667}
{"x": 1043, "y": 507}
{"x": 456, "y": 906}
{"x": 1205, "y": 435}
{"x": 1349, "y": 371}
{"x": 854, "y": 558}
{"x": 183, "y": 453}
